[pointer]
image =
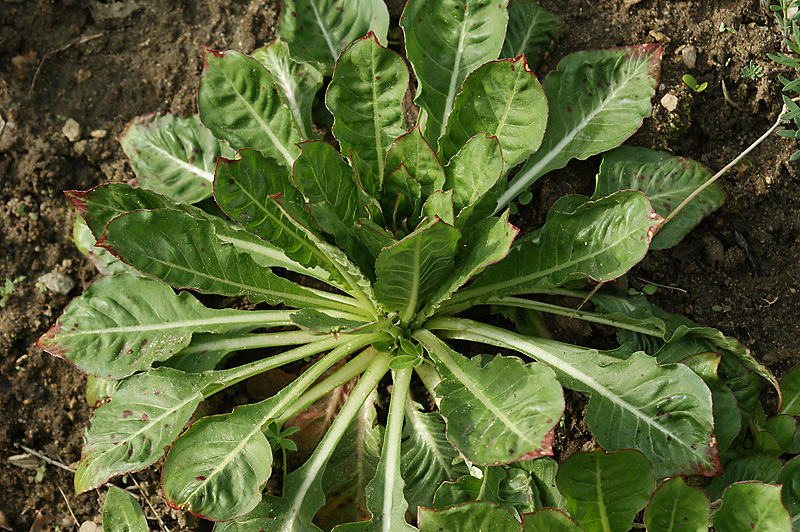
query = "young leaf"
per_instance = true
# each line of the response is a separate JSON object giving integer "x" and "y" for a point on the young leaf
{"x": 183, "y": 251}
{"x": 413, "y": 151}
{"x": 239, "y": 102}
{"x": 471, "y": 516}
{"x": 497, "y": 412}
{"x": 365, "y": 97}
{"x": 531, "y": 29}
{"x": 321, "y": 175}
{"x": 445, "y": 41}
{"x": 502, "y": 99}
{"x": 543, "y": 473}
{"x": 677, "y": 507}
{"x": 605, "y": 491}
{"x": 548, "y": 520}
{"x": 621, "y": 228}
{"x": 318, "y": 31}
{"x": 409, "y": 272}
{"x": 597, "y": 100}
{"x": 122, "y": 513}
{"x": 297, "y": 82}
{"x": 385, "y": 500}
{"x": 130, "y": 432}
{"x": 790, "y": 386}
{"x": 428, "y": 459}
{"x": 122, "y": 324}
{"x": 510, "y": 487}
{"x": 752, "y": 506}
{"x": 474, "y": 175}
{"x": 667, "y": 180}
{"x": 489, "y": 242}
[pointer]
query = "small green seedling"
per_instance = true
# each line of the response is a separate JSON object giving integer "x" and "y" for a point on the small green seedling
{"x": 8, "y": 288}
{"x": 752, "y": 71}
{"x": 692, "y": 83}
{"x": 723, "y": 28}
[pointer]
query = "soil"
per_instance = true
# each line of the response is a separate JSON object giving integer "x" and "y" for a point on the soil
{"x": 102, "y": 63}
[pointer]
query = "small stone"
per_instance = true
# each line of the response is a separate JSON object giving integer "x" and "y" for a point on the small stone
{"x": 90, "y": 526}
{"x": 659, "y": 37}
{"x": 57, "y": 282}
{"x": 670, "y": 102}
{"x": 71, "y": 130}
{"x": 99, "y": 133}
{"x": 689, "y": 56}
{"x": 82, "y": 75}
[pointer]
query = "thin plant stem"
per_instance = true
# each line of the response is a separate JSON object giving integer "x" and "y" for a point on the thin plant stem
{"x": 727, "y": 167}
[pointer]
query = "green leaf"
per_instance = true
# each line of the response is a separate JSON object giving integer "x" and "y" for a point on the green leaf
{"x": 469, "y": 517}
{"x": 753, "y": 467}
{"x": 365, "y": 98}
{"x": 543, "y": 473}
{"x": 790, "y": 494}
{"x": 257, "y": 192}
{"x": 502, "y": 99}
{"x": 727, "y": 418}
{"x": 385, "y": 499}
{"x": 667, "y": 180}
{"x": 409, "y": 272}
{"x": 297, "y": 82}
{"x": 497, "y": 412}
{"x": 662, "y": 411}
{"x": 130, "y": 432}
{"x": 318, "y": 31}
{"x": 790, "y": 386}
{"x": 428, "y": 458}
{"x": 105, "y": 262}
{"x": 98, "y": 390}
{"x": 510, "y": 487}
{"x": 474, "y": 175}
{"x": 605, "y": 491}
{"x": 413, "y": 151}
{"x": 786, "y": 430}
{"x": 122, "y": 324}
{"x": 122, "y": 513}
{"x": 677, "y": 507}
{"x": 752, "y": 507}
{"x": 601, "y": 240}
{"x": 173, "y": 155}
{"x": 531, "y": 29}
{"x": 445, "y": 41}
{"x": 548, "y": 520}
{"x": 489, "y": 242}
{"x": 184, "y": 252}
{"x": 597, "y": 100}
{"x": 321, "y": 175}
{"x": 217, "y": 467}
{"x": 239, "y": 102}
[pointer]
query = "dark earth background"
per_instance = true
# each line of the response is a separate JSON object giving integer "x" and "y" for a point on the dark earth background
{"x": 102, "y": 63}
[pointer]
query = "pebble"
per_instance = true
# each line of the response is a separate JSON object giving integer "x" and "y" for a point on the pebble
{"x": 90, "y": 526}
{"x": 71, "y": 130}
{"x": 669, "y": 101}
{"x": 99, "y": 133}
{"x": 689, "y": 56}
{"x": 57, "y": 282}
{"x": 83, "y": 75}
{"x": 659, "y": 37}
